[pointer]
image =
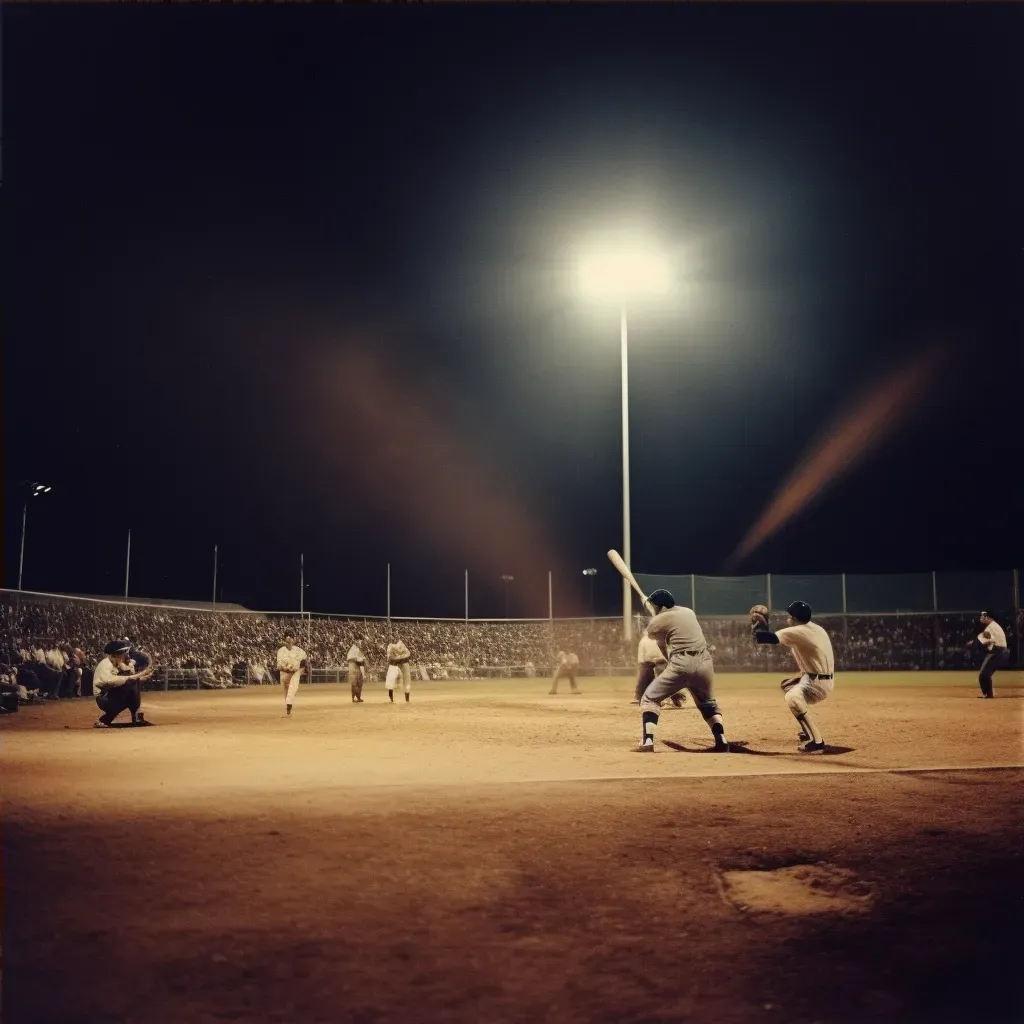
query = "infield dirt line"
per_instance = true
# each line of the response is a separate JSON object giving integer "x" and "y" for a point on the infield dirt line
{"x": 838, "y": 770}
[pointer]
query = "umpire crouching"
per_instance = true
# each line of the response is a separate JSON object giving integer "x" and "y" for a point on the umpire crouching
{"x": 117, "y": 692}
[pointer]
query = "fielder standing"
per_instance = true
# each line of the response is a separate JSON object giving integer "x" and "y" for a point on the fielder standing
{"x": 291, "y": 662}
{"x": 812, "y": 651}
{"x": 650, "y": 662}
{"x": 356, "y": 670}
{"x": 677, "y": 633}
{"x": 993, "y": 639}
{"x": 565, "y": 668}
{"x": 398, "y": 669}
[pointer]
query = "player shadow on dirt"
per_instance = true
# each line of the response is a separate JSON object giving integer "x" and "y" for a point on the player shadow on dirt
{"x": 740, "y": 747}
{"x": 129, "y": 725}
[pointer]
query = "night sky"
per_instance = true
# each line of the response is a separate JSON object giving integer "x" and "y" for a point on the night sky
{"x": 299, "y": 280}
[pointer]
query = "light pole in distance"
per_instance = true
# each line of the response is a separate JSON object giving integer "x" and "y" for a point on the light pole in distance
{"x": 591, "y": 573}
{"x": 506, "y": 580}
{"x": 622, "y": 270}
{"x": 33, "y": 491}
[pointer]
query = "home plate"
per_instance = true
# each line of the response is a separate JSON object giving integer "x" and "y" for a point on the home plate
{"x": 797, "y": 890}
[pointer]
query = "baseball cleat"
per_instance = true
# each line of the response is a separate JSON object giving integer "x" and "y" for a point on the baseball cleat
{"x": 644, "y": 748}
{"x": 721, "y": 747}
{"x": 100, "y": 725}
{"x": 813, "y": 748}
{"x": 802, "y": 736}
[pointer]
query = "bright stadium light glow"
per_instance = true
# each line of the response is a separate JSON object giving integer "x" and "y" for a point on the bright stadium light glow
{"x": 618, "y": 271}
{"x": 624, "y": 268}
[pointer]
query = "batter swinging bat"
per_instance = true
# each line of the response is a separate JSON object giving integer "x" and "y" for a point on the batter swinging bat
{"x": 616, "y": 559}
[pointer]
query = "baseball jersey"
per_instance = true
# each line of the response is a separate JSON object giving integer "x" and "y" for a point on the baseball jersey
{"x": 677, "y": 631}
{"x": 290, "y": 661}
{"x": 106, "y": 675}
{"x": 356, "y": 655}
{"x": 648, "y": 652}
{"x": 811, "y": 647}
{"x": 398, "y": 652}
{"x": 992, "y": 636}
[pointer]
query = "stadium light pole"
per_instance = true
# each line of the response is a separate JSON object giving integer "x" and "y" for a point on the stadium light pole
{"x": 33, "y": 491}
{"x": 623, "y": 270}
{"x": 506, "y": 580}
{"x": 591, "y": 573}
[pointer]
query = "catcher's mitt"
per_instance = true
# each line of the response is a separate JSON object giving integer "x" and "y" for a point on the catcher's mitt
{"x": 759, "y": 617}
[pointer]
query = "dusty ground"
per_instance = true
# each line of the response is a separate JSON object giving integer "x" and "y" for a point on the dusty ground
{"x": 489, "y": 853}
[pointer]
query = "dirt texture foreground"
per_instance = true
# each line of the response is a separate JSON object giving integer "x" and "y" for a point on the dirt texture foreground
{"x": 490, "y": 853}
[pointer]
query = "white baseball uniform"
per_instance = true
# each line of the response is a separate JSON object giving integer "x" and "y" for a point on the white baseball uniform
{"x": 289, "y": 664}
{"x": 356, "y": 671}
{"x": 398, "y": 658}
{"x": 992, "y": 636}
{"x": 649, "y": 661}
{"x": 812, "y": 651}
{"x": 648, "y": 652}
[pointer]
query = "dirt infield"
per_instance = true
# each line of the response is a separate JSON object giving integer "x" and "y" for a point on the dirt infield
{"x": 490, "y": 853}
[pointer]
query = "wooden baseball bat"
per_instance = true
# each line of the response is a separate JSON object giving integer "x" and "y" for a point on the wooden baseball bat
{"x": 616, "y": 559}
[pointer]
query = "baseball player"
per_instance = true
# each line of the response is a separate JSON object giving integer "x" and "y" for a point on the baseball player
{"x": 398, "y": 669}
{"x": 649, "y": 663}
{"x": 136, "y": 661}
{"x": 291, "y": 662}
{"x": 812, "y": 652}
{"x": 356, "y": 670}
{"x": 117, "y": 692}
{"x": 565, "y": 668}
{"x": 993, "y": 639}
{"x": 677, "y": 633}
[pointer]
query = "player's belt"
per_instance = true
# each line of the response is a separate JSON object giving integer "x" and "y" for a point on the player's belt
{"x": 819, "y": 675}
{"x": 690, "y": 653}
{"x": 401, "y": 661}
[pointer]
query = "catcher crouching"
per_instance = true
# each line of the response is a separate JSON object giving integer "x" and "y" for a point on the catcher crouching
{"x": 117, "y": 692}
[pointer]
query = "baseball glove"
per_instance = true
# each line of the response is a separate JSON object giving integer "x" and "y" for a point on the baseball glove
{"x": 759, "y": 617}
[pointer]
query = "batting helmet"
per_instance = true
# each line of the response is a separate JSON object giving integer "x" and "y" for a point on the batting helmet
{"x": 116, "y": 647}
{"x": 800, "y": 610}
{"x": 662, "y": 599}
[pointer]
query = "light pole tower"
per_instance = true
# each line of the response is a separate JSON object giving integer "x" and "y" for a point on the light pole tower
{"x": 591, "y": 573}
{"x": 623, "y": 270}
{"x": 33, "y": 490}
{"x": 506, "y": 580}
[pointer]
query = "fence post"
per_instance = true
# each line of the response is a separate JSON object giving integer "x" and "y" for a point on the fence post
{"x": 935, "y": 593}
{"x": 1016, "y": 612}
{"x": 768, "y": 577}
{"x": 844, "y": 593}
{"x": 693, "y": 593}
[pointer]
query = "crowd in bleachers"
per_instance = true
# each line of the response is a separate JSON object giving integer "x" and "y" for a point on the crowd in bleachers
{"x": 52, "y": 643}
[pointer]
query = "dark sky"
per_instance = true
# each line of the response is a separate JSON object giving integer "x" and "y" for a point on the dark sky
{"x": 298, "y": 279}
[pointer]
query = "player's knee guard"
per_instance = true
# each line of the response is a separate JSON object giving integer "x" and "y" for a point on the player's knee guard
{"x": 708, "y": 709}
